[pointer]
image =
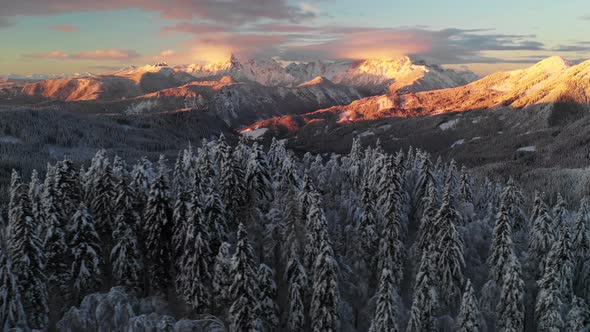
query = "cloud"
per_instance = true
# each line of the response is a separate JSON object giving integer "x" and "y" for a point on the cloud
{"x": 584, "y": 17}
{"x": 99, "y": 55}
{"x": 226, "y": 11}
{"x": 5, "y": 22}
{"x": 65, "y": 28}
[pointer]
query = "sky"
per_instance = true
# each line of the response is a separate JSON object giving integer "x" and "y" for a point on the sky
{"x": 78, "y": 36}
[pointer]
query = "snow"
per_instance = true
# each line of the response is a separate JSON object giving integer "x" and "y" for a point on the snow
{"x": 449, "y": 124}
{"x": 10, "y": 140}
{"x": 255, "y": 133}
{"x": 458, "y": 143}
{"x": 366, "y": 134}
{"x": 531, "y": 148}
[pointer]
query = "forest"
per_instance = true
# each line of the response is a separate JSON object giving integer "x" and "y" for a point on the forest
{"x": 255, "y": 238}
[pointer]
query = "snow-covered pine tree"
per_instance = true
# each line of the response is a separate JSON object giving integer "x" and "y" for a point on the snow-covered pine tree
{"x": 214, "y": 212}
{"x": 85, "y": 251}
{"x": 502, "y": 247}
{"x": 35, "y": 195}
{"x": 222, "y": 278}
{"x": 267, "y": 307}
{"x": 180, "y": 223}
{"x": 28, "y": 257}
{"x": 425, "y": 302}
{"x": 368, "y": 236}
{"x": 578, "y": 318}
{"x": 512, "y": 197}
{"x": 258, "y": 179}
{"x": 427, "y": 231}
{"x": 158, "y": 233}
{"x": 125, "y": 256}
{"x": 244, "y": 287}
{"x": 196, "y": 260}
{"x": 541, "y": 239}
{"x": 560, "y": 213}
{"x": 231, "y": 182}
{"x": 386, "y": 316}
{"x": 119, "y": 169}
{"x": 425, "y": 177}
{"x": 391, "y": 246}
{"x": 470, "y": 318}
{"x": 12, "y": 313}
{"x": 449, "y": 253}
{"x": 562, "y": 259}
{"x": 465, "y": 192}
{"x": 581, "y": 249}
{"x": 140, "y": 183}
{"x": 54, "y": 244}
{"x": 297, "y": 280}
{"x": 510, "y": 310}
{"x": 325, "y": 302}
{"x": 67, "y": 188}
{"x": 549, "y": 300}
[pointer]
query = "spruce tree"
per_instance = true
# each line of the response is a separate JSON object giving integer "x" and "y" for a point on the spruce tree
{"x": 581, "y": 249}
{"x": 125, "y": 255}
{"x": 158, "y": 234}
{"x": 67, "y": 188}
{"x": 449, "y": 253}
{"x": 502, "y": 246}
{"x": 297, "y": 280}
{"x": 196, "y": 260}
{"x": 425, "y": 302}
{"x": 541, "y": 239}
{"x": 258, "y": 179}
{"x": 214, "y": 212}
{"x": 267, "y": 307}
{"x": 391, "y": 246}
{"x": 549, "y": 300}
{"x": 386, "y": 314}
{"x": 512, "y": 198}
{"x": 470, "y": 318}
{"x": 578, "y": 318}
{"x": 325, "y": 302}
{"x": 28, "y": 257}
{"x": 85, "y": 251}
{"x": 511, "y": 305}
{"x": 244, "y": 287}
{"x": 369, "y": 238}
{"x": 12, "y": 311}
{"x": 221, "y": 276}
{"x": 55, "y": 245}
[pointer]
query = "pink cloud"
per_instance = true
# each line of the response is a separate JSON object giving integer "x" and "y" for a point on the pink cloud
{"x": 227, "y": 11}
{"x": 65, "y": 28}
{"x": 100, "y": 55}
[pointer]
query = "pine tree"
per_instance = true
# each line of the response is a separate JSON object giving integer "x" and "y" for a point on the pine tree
{"x": 125, "y": 255}
{"x": 297, "y": 280}
{"x": 512, "y": 197}
{"x": 427, "y": 231}
{"x": 158, "y": 234}
{"x": 541, "y": 238}
{"x": 470, "y": 318}
{"x": 244, "y": 286}
{"x": 581, "y": 249}
{"x": 35, "y": 195}
{"x": 549, "y": 299}
{"x": 562, "y": 260}
{"x": 180, "y": 224}
{"x": 28, "y": 257}
{"x": 55, "y": 244}
{"x": 267, "y": 307}
{"x": 465, "y": 192}
{"x": 101, "y": 206}
{"x": 196, "y": 259}
{"x": 391, "y": 247}
{"x": 325, "y": 299}
{"x": 560, "y": 213}
{"x": 449, "y": 253}
{"x": 369, "y": 238}
{"x": 502, "y": 246}
{"x": 425, "y": 302}
{"x": 12, "y": 312}
{"x": 214, "y": 213}
{"x": 85, "y": 250}
{"x": 386, "y": 316}
{"x": 258, "y": 177}
{"x": 67, "y": 188}
{"x": 222, "y": 277}
{"x": 511, "y": 305}
{"x": 578, "y": 318}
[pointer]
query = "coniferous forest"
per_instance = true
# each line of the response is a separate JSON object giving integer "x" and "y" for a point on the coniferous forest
{"x": 254, "y": 238}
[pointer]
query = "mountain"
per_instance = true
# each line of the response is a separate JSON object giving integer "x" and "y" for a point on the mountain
{"x": 370, "y": 76}
{"x": 545, "y": 86}
{"x": 242, "y": 103}
{"x": 130, "y": 82}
